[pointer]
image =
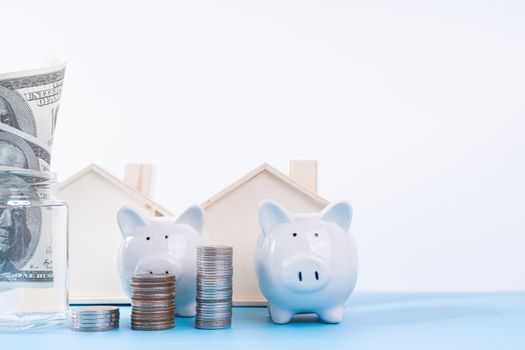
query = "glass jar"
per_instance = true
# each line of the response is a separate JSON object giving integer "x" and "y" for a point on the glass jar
{"x": 33, "y": 251}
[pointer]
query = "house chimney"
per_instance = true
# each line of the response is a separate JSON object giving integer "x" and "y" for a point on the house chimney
{"x": 305, "y": 173}
{"x": 141, "y": 177}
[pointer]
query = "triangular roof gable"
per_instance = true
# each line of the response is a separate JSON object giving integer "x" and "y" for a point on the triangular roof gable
{"x": 255, "y": 172}
{"x": 115, "y": 181}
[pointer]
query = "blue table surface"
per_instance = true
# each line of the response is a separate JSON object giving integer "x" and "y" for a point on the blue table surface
{"x": 372, "y": 321}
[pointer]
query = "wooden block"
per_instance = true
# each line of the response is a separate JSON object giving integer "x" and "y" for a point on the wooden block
{"x": 141, "y": 177}
{"x": 305, "y": 173}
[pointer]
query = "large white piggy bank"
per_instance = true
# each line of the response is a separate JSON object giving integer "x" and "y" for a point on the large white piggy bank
{"x": 306, "y": 262}
{"x": 162, "y": 246}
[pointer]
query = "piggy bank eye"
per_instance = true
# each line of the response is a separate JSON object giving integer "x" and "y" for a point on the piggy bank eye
{"x": 166, "y": 236}
{"x": 147, "y": 238}
{"x": 294, "y": 234}
{"x": 316, "y": 234}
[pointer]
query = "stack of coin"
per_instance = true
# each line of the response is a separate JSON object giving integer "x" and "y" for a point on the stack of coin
{"x": 214, "y": 287}
{"x": 152, "y": 302}
{"x": 95, "y": 318}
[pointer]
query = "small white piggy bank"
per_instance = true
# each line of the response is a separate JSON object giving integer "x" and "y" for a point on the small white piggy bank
{"x": 162, "y": 245}
{"x": 306, "y": 262}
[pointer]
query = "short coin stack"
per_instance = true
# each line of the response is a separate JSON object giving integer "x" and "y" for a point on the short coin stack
{"x": 152, "y": 302}
{"x": 214, "y": 287}
{"x": 95, "y": 318}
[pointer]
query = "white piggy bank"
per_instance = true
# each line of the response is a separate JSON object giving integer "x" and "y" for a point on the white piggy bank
{"x": 162, "y": 246}
{"x": 306, "y": 262}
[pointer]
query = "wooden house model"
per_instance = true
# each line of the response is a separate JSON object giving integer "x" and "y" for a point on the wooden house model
{"x": 94, "y": 196}
{"x": 231, "y": 216}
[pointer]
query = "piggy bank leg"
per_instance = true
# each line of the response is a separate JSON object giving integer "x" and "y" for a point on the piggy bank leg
{"x": 333, "y": 315}
{"x": 187, "y": 310}
{"x": 279, "y": 315}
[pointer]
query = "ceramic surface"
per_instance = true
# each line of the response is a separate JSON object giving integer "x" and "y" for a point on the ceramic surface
{"x": 306, "y": 262}
{"x": 162, "y": 246}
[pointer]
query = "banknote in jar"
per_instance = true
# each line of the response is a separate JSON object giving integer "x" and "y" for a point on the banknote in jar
{"x": 26, "y": 247}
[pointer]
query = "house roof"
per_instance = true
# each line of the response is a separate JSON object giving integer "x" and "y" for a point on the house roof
{"x": 115, "y": 181}
{"x": 272, "y": 171}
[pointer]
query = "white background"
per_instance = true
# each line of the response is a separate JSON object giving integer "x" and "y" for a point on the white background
{"x": 414, "y": 109}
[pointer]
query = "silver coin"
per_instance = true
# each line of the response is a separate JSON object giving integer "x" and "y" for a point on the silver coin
{"x": 214, "y": 298}
{"x": 94, "y": 317}
{"x": 153, "y": 319}
{"x": 226, "y": 281}
{"x": 143, "y": 311}
{"x": 94, "y": 320}
{"x": 153, "y": 301}
{"x": 159, "y": 297}
{"x": 202, "y": 325}
{"x": 152, "y": 289}
{"x": 152, "y": 278}
{"x": 211, "y": 305}
{"x": 144, "y": 315}
{"x": 211, "y": 292}
{"x": 141, "y": 322}
{"x": 150, "y": 323}
{"x": 95, "y": 310}
{"x": 99, "y": 325}
{"x": 89, "y": 323}
{"x": 213, "y": 289}
{"x": 213, "y": 322}
{"x": 203, "y": 287}
{"x": 167, "y": 283}
{"x": 221, "y": 260}
{"x": 91, "y": 329}
{"x": 211, "y": 300}
{"x": 152, "y": 305}
{"x": 107, "y": 320}
{"x": 211, "y": 316}
{"x": 214, "y": 280}
{"x": 214, "y": 247}
{"x": 153, "y": 312}
{"x": 152, "y": 328}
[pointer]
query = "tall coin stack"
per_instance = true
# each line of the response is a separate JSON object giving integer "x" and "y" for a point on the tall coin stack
{"x": 152, "y": 302}
{"x": 214, "y": 287}
{"x": 95, "y": 318}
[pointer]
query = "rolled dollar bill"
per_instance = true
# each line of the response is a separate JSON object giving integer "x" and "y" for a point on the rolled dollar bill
{"x": 29, "y": 102}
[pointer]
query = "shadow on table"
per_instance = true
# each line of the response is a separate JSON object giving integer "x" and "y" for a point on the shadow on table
{"x": 409, "y": 314}
{"x": 389, "y": 310}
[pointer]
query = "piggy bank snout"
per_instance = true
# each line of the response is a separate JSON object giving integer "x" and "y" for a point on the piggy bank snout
{"x": 305, "y": 273}
{"x": 158, "y": 264}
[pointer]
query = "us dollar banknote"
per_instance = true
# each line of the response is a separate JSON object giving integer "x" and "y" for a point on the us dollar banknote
{"x": 29, "y": 103}
{"x": 26, "y": 245}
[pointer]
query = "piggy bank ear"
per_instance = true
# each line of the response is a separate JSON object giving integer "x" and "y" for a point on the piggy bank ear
{"x": 340, "y": 213}
{"x": 271, "y": 214}
{"x": 128, "y": 218}
{"x": 193, "y": 217}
